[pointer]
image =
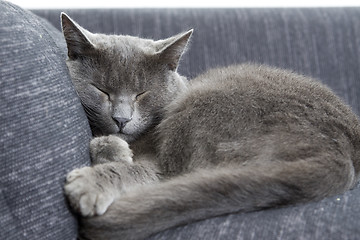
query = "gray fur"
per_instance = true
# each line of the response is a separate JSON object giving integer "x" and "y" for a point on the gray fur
{"x": 240, "y": 138}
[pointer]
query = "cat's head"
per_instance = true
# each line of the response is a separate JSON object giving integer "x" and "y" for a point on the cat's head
{"x": 123, "y": 82}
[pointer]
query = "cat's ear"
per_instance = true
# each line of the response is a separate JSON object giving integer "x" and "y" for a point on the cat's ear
{"x": 78, "y": 43}
{"x": 170, "y": 50}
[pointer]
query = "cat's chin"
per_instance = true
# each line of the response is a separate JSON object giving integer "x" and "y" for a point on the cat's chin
{"x": 131, "y": 133}
{"x": 126, "y": 137}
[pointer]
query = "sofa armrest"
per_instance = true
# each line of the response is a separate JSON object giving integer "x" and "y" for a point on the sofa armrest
{"x": 43, "y": 129}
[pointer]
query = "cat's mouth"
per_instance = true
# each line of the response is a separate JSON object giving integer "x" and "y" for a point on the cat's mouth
{"x": 125, "y": 133}
{"x": 127, "y": 137}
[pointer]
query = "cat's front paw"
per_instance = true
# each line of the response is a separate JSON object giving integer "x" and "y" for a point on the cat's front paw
{"x": 110, "y": 148}
{"x": 86, "y": 194}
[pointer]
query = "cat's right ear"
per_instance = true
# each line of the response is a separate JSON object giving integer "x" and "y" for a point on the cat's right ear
{"x": 171, "y": 49}
{"x": 78, "y": 44}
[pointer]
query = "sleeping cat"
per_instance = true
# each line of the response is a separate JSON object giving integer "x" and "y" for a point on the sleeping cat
{"x": 168, "y": 151}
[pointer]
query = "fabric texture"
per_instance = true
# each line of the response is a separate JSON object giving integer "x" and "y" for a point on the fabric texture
{"x": 323, "y": 43}
{"x": 43, "y": 129}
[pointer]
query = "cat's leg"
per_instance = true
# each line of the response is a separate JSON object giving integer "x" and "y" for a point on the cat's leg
{"x": 208, "y": 193}
{"x": 110, "y": 148}
{"x": 90, "y": 190}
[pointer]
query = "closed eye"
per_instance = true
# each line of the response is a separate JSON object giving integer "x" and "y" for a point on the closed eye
{"x": 141, "y": 95}
{"x": 102, "y": 92}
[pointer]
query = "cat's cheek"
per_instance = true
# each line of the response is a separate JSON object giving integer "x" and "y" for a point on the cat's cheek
{"x": 105, "y": 119}
{"x": 136, "y": 125}
{"x": 108, "y": 108}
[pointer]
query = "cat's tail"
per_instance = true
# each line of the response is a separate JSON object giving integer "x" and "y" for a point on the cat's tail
{"x": 207, "y": 193}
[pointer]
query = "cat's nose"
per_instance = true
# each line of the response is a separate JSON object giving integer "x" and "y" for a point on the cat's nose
{"x": 121, "y": 121}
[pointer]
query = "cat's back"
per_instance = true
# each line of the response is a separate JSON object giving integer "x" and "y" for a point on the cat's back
{"x": 260, "y": 88}
{"x": 250, "y": 101}
{"x": 256, "y": 81}
{"x": 265, "y": 90}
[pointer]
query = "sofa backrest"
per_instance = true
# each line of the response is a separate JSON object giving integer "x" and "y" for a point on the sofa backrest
{"x": 320, "y": 42}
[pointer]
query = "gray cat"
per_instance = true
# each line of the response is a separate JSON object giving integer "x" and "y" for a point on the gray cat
{"x": 168, "y": 151}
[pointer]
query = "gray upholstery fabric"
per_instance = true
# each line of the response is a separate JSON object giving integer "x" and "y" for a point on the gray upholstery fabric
{"x": 331, "y": 219}
{"x": 43, "y": 129}
{"x": 323, "y": 43}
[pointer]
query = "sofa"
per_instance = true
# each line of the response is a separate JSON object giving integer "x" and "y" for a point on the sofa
{"x": 44, "y": 131}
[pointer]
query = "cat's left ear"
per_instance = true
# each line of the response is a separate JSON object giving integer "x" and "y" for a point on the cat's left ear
{"x": 171, "y": 49}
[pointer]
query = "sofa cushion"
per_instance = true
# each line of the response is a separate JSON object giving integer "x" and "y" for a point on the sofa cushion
{"x": 330, "y": 219}
{"x": 43, "y": 129}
